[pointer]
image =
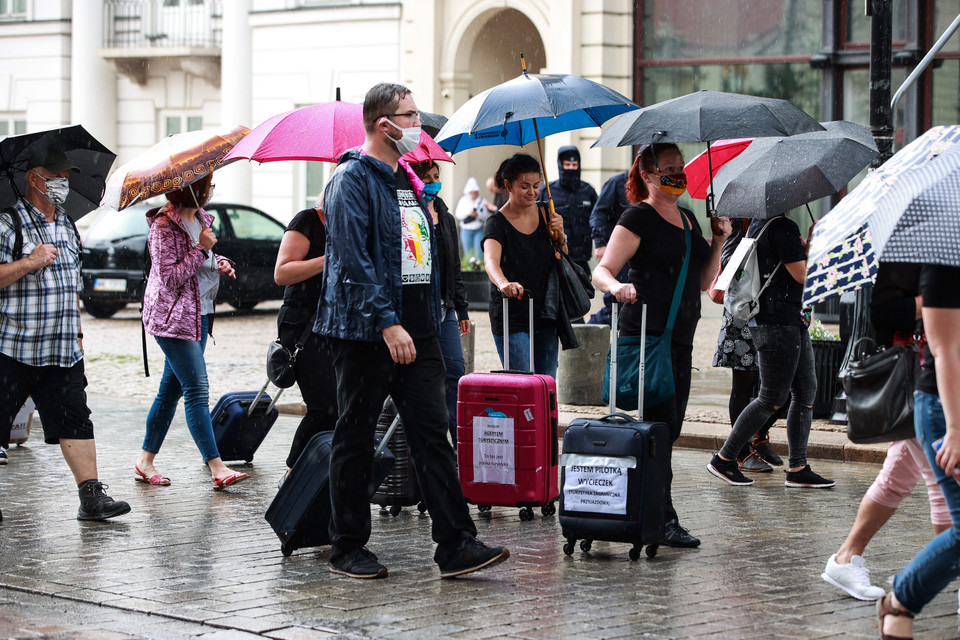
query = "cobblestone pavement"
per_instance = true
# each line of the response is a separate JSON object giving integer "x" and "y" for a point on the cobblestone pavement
{"x": 191, "y": 562}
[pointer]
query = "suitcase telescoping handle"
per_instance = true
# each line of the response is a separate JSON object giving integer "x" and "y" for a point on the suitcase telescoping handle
{"x": 260, "y": 393}
{"x": 613, "y": 358}
{"x": 387, "y": 404}
{"x": 506, "y": 331}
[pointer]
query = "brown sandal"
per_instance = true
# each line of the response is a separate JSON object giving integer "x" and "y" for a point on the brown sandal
{"x": 885, "y": 608}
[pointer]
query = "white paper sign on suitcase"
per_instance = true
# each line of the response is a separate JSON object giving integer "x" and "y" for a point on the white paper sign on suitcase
{"x": 595, "y": 484}
{"x": 20, "y": 430}
{"x": 493, "y": 448}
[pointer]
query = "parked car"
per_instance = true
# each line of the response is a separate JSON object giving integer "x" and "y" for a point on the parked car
{"x": 114, "y": 246}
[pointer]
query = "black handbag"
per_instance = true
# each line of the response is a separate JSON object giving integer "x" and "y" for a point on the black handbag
{"x": 576, "y": 289}
{"x": 879, "y": 385}
{"x": 281, "y": 364}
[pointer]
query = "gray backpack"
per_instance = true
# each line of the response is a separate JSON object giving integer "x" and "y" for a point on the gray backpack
{"x": 742, "y": 297}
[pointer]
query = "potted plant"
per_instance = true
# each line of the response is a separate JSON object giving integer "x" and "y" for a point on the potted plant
{"x": 475, "y": 283}
{"x": 827, "y": 356}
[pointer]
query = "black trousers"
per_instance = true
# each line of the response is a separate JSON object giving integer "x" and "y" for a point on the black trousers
{"x": 673, "y": 410}
{"x": 366, "y": 375}
{"x": 317, "y": 382}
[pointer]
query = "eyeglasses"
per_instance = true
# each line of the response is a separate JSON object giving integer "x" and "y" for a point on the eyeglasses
{"x": 413, "y": 115}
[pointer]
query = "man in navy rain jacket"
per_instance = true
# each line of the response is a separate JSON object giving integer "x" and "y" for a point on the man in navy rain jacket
{"x": 380, "y": 310}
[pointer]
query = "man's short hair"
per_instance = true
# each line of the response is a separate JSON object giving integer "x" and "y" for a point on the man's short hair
{"x": 382, "y": 100}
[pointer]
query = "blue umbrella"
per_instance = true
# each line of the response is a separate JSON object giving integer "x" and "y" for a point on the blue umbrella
{"x": 908, "y": 210}
{"x": 528, "y": 108}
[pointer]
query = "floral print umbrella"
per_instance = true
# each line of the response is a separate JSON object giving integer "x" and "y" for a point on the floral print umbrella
{"x": 903, "y": 211}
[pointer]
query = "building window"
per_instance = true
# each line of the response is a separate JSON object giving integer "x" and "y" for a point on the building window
{"x": 11, "y": 126}
{"x": 13, "y": 8}
{"x": 181, "y": 123}
{"x": 315, "y": 179}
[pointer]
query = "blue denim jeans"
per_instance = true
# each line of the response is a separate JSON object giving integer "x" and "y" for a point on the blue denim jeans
{"x": 938, "y": 563}
{"x": 452, "y": 350}
{"x": 184, "y": 375}
{"x": 546, "y": 350}
{"x": 786, "y": 371}
{"x": 471, "y": 240}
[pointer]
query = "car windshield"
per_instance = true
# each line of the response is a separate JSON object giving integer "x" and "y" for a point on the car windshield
{"x": 116, "y": 225}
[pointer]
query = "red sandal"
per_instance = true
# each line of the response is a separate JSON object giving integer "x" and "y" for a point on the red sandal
{"x": 885, "y": 608}
{"x": 226, "y": 481}
{"x": 156, "y": 479}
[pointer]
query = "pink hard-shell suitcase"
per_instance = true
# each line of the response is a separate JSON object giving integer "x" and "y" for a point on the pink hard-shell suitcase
{"x": 507, "y": 438}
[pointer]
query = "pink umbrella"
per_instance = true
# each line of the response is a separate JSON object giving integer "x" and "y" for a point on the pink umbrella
{"x": 318, "y": 132}
{"x": 428, "y": 149}
{"x": 698, "y": 170}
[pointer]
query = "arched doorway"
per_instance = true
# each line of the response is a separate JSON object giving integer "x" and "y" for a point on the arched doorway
{"x": 488, "y": 53}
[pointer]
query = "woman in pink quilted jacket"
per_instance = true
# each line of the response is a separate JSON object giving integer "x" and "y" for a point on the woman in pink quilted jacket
{"x": 178, "y": 311}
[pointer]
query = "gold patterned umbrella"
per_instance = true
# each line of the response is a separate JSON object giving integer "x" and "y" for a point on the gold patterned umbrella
{"x": 171, "y": 164}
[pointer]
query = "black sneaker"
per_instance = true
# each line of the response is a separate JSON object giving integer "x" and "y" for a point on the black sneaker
{"x": 728, "y": 471}
{"x": 95, "y": 504}
{"x": 362, "y": 563}
{"x": 762, "y": 448}
{"x": 806, "y": 478}
{"x": 676, "y": 536}
{"x": 755, "y": 463}
{"x": 472, "y": 555}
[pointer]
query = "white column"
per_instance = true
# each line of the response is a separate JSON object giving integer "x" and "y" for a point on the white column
{"x": 93, "y": 80}
{"x": 236, "y": 57}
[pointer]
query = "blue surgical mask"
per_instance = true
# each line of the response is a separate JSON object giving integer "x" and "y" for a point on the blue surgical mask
{"x": 430, "y": 190}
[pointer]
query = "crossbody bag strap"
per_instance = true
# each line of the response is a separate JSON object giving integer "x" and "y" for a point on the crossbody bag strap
{"x": 682, "y": 280}
{"x": 769, "y": 279}
{"x": 302, "y": 340}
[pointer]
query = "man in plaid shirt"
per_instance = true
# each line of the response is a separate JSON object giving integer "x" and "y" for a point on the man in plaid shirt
{"x": 41, "y": 348}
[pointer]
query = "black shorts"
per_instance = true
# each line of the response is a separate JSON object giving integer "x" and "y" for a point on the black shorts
{"x": 59, "y": 393}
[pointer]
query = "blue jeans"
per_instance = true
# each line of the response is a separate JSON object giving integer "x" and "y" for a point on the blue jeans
{"x": 546, "y": 350}
{"x": 184, "y": 375}
{"x": 786, "y": 371}
{"x": 452, "y": 351}
{"x": 471, "y": 240}
{"x": 938, "y": 563}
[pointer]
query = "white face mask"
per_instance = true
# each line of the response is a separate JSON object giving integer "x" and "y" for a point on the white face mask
{"x": 409, "y": 141}
{"x": 57, "y": 189}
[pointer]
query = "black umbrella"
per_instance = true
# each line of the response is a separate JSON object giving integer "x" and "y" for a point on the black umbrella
{"x": 86, "y": 186}
{"x": 773, "y": 175}
{"x": 432, "y": 123}
{"x": 707, "y": 116}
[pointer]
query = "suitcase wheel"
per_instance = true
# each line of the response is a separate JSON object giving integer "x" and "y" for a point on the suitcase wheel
{"x": 285, "y": 550}
{"x": 548, "y": 509}
{"x": 635, "y": 552}
{"x": 568, "y": 546}
{"x": 585, "y": 545}
{"x": 422, "y": 507}
{"x": 483, "y": 508}
{"x": 652, "y": 550}
{"x": 526, "y": 514}
{"x": 395, "y": 510}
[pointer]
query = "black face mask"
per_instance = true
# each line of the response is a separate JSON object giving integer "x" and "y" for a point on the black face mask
{"x": 569, "y": 178}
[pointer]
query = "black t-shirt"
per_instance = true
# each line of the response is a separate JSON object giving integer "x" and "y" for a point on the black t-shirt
{"x": 306, "y": 294}
{"x": 524, "y": 258}
{"x": 654, "y": 270}
{"x": 416, "y": 260}
{"x": 782, "y": 300}
{"x": 938, "y": 286}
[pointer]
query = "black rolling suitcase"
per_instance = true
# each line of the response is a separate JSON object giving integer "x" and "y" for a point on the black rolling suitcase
{"x": 300, "y": 512}
{"x": 400, "y": 488}
{"x": 614, "y": 471}
{"x": 241, "y": 420}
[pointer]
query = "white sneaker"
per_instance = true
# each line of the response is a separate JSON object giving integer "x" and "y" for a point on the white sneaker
{"x": 853, "y": 578}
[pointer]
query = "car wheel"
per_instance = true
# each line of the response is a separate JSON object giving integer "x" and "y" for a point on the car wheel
{"x": 243, "y": 305}
{"x": 102, "y": 309}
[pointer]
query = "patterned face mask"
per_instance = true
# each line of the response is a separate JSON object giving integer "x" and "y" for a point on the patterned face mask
{"x": 430, "y": 190}
{"x": 57, "y": 190}
{"x": 675, "y": 183}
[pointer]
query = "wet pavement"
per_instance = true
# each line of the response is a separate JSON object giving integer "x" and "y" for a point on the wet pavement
{"x": 191, "y": 562}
